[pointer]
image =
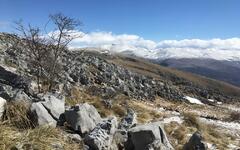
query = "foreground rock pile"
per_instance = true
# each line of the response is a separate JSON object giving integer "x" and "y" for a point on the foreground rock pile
{"x": 98, "y": 133}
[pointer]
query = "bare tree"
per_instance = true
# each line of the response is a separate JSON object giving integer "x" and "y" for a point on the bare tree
{"x": 45, "y": 50}
{"x": 64, "y": 33}
{"x": 35, "y": 46}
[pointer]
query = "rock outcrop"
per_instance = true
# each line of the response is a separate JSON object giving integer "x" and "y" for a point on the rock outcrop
{"x": 195, "y": 142}
{"x": 54, "y": 104}
{"x": 82, "y": 118}
{"x": 107, "y": 80}
{"x": 102, "y": 135}
{"x": 41, "y": 115}
{"x": 129, "y": 120}
{"x": 148, "y": 137}
{"x": 49, "y": 110}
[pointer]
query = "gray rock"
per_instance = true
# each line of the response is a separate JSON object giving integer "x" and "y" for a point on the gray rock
{"x": 120, "y": 138}
{"x": 195, "y": 142}
{"x": 101, "y": 138}
{"x": 41, "y": 115}
{"x": 9, "y": 93}
{"x": 107, "y": 103}
{"x": 74, "y": 137}
{"x": 21, "y": 95}
{"x": 82, "y": 118}
{"x": 13, "y": 79}
{"x": 146, "y": 137}
{"x": 2, "y": 106}
{"x": 129, "y": 120}
{"x": 6, "y": 91}
{"x": 57, "y": 146}
{"x": 54, "y": 105}
{"x": 49, "y": 110}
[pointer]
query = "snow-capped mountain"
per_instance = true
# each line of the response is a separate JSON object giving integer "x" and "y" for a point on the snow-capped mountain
{"x": 218, "y": 49}
{"x": 178, "y": 53}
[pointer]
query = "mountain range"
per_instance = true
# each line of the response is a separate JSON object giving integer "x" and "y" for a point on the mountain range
{"x": 219, "y": 67}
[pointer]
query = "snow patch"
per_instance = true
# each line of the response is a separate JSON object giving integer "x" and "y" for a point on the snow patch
{"x": 193, "y": 100}
{"x": 173, "y": 119}
{"x": 227, "y": 125}
{"x": 211, "y": 100}
{"x": 2, "y": 104}
{"x": 233, "y": 147}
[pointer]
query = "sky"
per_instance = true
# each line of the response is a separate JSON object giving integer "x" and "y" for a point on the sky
{"x": 151, "y": 19}
{"x": 170, "y": 28}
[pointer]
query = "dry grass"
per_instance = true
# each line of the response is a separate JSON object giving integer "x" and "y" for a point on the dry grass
{"x": 18, "y": 115}
{"x": 119, "y": 110}
{"x": 41, "y": 138}
{"x": 145, "y": 112}
{"x": 8, "y": 137}
{"x": 120, "y": 104}
{"x": 81, "y": 96}
{"x": 191, "y": 120}
{"x": 211, "y": 135}
{"x": 234, "y": 116}
{"x": 17, "y": 131}
{"x": 177, "y": 134}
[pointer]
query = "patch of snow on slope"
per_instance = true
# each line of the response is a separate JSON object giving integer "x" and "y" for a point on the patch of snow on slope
{"x": 233, "y": 147}
{"x": 227, "y": 125}
{"x": 211, "y": 100}
{"x": 172, "y": 119}
{"x": 193, "y": 100}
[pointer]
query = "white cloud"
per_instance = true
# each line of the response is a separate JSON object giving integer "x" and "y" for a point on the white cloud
{"x": 187, "y": 48}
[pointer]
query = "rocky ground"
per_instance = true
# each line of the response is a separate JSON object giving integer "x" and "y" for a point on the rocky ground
{"x": 105, "y": 101}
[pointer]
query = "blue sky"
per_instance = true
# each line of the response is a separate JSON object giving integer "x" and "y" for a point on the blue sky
{"x": 151, "y": 19}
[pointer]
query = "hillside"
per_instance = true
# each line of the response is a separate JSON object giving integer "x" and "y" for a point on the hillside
{"x": 227, "y": 71}
{"x": 110, "y": 101}
{"x": 166, "y": 74}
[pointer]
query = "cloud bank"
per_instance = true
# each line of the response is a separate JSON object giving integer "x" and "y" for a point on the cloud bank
{"x": 220, "y": 49}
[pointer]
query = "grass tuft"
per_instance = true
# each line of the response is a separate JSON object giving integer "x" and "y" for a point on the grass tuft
{"x": 18, "y": 115}
{"x": 40, "y": 138}
{"x": 190, "y": 119}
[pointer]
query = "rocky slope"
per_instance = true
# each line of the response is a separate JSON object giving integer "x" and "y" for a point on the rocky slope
{"x": 105, "y": 101}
